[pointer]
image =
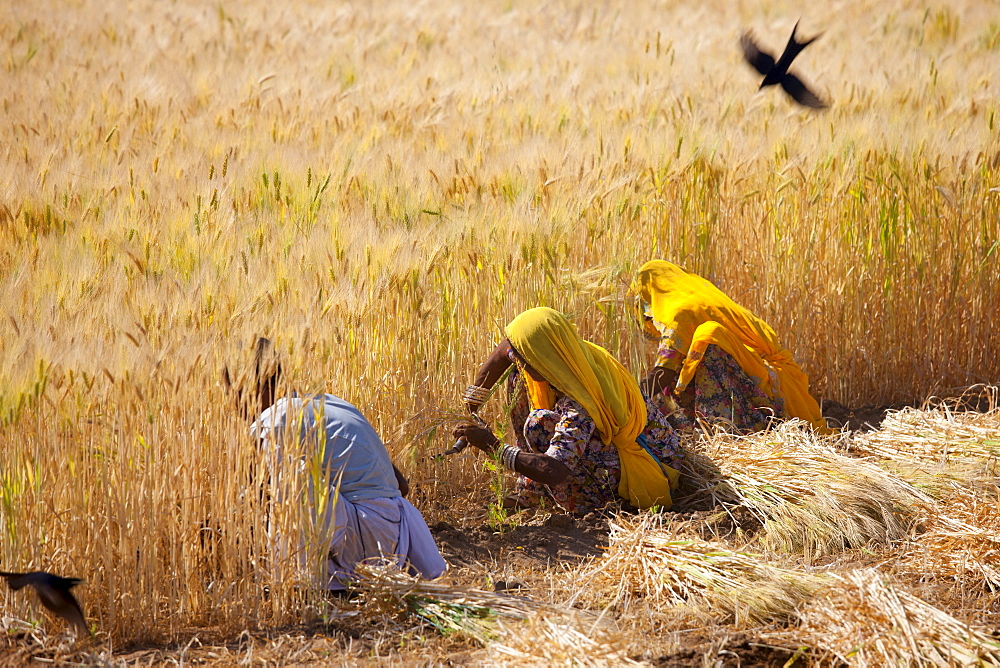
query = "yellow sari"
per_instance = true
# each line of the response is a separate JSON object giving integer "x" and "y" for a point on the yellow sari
{"x": 597, "y": 381}
{"x": 695, "y": 314}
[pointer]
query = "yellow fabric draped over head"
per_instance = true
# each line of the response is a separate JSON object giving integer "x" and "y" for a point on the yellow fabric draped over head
{"x": 597, "y": 381}
{"x": 695, "y": 314}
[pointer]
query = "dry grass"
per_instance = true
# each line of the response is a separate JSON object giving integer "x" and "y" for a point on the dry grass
{"x": 810, "y": 498}
{"x": 866, "y": 621}
{"x": 863, "y": 617}
{"x": 546, "y": 642}
{"x": 940, "y": 440}
{"x": 653, "y": 562}
{"x": 380, "y": 189}
{"x": 952, "y": 455}
{"x": 928, "y": 598}
{"x": 658, "y": 581}
{"x": 960, "y": 546}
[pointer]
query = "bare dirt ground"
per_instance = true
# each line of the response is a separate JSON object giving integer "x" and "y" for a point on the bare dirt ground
{"x": 542, "y": 541}
{"x": 738, "y": 649}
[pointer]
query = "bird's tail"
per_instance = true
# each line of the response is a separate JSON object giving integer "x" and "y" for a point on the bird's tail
{"x": 794, "y": 47}
{"x": 13, "y": 580}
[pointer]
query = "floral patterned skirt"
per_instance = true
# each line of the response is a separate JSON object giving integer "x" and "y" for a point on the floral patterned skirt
{"x": 723, "y": 394}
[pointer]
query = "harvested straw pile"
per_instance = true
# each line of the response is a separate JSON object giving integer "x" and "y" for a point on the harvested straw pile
{"x": 960, "y": 544}
{"x": 953, "y": 456}
{"x": 811, "y": 499}
{"x": 859, "y": 616}
{"x": 939, "y": 440}
{"x": 542, "y": 641}
{"x": 650, "y": 560}
{"x": 658, "y": 579}
{"x": 865, "y": 621}
{"x": 514, "y": 629}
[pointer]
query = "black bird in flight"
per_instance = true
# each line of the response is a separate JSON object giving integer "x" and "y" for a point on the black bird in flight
{"x": 777, "y": 72}
{"x": 54, "y": 592}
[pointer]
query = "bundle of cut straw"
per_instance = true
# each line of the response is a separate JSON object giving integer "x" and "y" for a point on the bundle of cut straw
{"x": 810, "y": 498}
{"x": 651, "y": 560}
{"x": 961, "y": 543}
{"x": 865, "y": 621}
{"x": 542, "y": 641}
{"x": 965, "y": 444}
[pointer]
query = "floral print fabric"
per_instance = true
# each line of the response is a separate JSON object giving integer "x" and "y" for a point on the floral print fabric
{"x": 721, "y": 392}
{"x": 568, "y": 434}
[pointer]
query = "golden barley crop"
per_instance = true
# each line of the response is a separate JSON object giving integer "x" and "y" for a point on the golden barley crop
{"x": 380, "y": 187}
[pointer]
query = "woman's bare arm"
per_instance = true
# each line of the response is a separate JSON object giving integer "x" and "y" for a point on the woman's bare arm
{"x": 491, "y": 370}
{"x": 537, "y": 466}
{"x": 540, "y": 467}
{"x": 404, "y": 484}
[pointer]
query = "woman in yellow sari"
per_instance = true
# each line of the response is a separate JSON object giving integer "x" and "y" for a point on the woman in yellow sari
{"x": 591, "y": 437}
{"x": 717, "y": 361}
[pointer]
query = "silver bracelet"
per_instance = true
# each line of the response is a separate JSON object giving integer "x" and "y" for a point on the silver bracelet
{"x": 474, "y": 394}
{"x": 508, "y": 456}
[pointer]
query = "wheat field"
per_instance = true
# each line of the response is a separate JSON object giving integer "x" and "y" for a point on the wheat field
{"x": 380, "y": 188}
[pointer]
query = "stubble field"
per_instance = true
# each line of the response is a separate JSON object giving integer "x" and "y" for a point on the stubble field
{"x": 379, "y": 189}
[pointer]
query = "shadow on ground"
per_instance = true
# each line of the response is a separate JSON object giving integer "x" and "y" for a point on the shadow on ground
{"x": 737, "y": 649}
{"x": 536, "y": 540}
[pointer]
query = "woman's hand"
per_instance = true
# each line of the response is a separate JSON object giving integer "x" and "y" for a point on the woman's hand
{"x": 535, "y": 465}
{"x": 480, "y": 437}
{"x": 658, "y": 380}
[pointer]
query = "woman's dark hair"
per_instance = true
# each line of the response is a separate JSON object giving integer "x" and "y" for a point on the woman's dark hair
{"x": 266, "y": 367}
{"x": 257, "y": 386}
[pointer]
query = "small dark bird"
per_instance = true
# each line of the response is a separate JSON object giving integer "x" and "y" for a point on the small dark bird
{"x": 777, "y": 72}
{"x": 54, "y": 592}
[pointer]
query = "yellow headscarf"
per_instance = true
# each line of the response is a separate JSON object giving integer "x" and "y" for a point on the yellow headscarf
{"x": 597, "y": 381}
{"x": 695, "y": 314}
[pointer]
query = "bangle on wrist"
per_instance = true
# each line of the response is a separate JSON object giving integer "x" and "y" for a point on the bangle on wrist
{"x": 474, "y": 394}
{"x": 508, "y": 456}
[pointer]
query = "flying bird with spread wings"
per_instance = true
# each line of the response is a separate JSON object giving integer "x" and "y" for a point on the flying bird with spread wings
{"x": 54, "y": 593}
{"x": 777, "y": 72}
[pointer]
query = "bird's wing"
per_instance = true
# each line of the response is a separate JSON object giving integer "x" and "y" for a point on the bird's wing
{"x": 55, "y": 595}
{"x": 761, "y": 61}
{"x": 800, "y": 93}
{"x": 72, "y": 612}
{"x": 793, "y": 43}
